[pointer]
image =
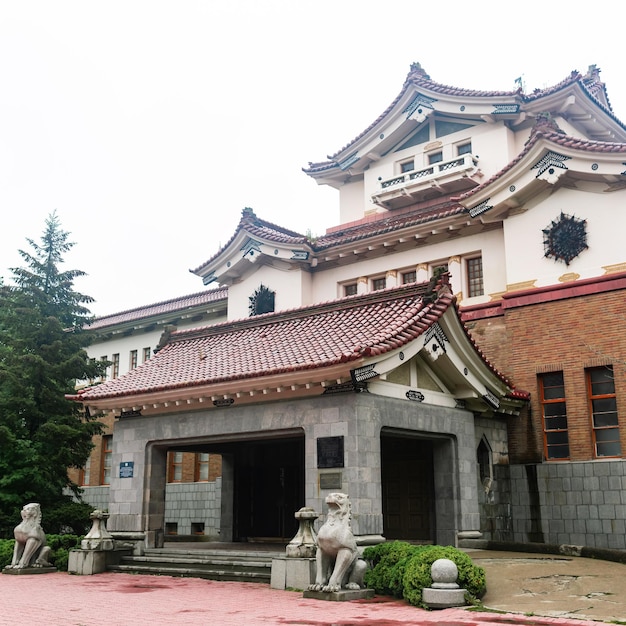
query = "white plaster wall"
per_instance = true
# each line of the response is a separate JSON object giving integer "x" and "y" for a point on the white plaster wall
{"x": 351, "y": 202}
{"x": 327, "y": 284}
{"x": 524, "y": 237}
{"x": 292, "y": 287}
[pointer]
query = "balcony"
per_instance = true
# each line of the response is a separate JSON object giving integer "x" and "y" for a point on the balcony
{"x": 439, "y": 179}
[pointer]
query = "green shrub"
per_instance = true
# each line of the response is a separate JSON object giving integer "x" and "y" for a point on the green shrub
{"x": 6, "y": 552}
{"x": 388, "y": 561}
{"x": 417, "y": 573}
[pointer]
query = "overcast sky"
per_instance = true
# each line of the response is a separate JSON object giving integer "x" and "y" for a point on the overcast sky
{"x": 148, "y": 125}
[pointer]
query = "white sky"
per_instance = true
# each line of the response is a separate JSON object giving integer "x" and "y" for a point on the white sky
{"x": 149, "y": 125}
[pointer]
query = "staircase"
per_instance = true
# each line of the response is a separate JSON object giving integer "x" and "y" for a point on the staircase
{"x": 214, "y": 564}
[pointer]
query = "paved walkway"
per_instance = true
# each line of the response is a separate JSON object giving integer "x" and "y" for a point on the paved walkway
{"x": 573, "y": 591}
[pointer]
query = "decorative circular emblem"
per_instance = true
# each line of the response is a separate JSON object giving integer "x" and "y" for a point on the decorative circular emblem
{"x": 381, "y": 136}
{"x": 512, "y": 188}
{"x": 401, "y": 356}
{"x": 565, "y": 238}
{"x": 462, "y": 107}
{"x": 594, "y": 166}
{"x": 275, "y": 251}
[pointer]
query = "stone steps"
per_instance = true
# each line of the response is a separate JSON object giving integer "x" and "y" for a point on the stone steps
{"x": 240, "y": 566}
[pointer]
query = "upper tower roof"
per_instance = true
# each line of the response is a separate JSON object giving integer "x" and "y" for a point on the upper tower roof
{"x": 581, "y": 99}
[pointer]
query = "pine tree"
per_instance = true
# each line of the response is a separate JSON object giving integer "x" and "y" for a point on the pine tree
{"x": 42, "y": 355}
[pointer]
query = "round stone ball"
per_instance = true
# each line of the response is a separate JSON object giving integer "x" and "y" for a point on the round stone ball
{"x": 444, "y": 571}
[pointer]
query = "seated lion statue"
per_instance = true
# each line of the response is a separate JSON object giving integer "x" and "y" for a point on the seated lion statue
{"x": 338, "y": 563}
{"x": 30, "y": 541}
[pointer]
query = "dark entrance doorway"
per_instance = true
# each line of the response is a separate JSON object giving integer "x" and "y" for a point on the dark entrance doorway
{"x": 268, "y": 488}
{"x": 408, "y": 488}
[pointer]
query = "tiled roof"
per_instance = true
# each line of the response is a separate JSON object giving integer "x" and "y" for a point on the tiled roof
{"x": 388, "y": 222}
{"x": 174, "y": 305}
{"x": 309, "y": 338}
{"x": 545, "y": 128}
{"x": 418, "y": 78}
{"x": 262, "y": 229}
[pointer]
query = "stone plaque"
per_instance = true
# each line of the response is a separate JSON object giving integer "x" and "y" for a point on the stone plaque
{"x": 329, "y": 452}
{"x": 330, "y": 480}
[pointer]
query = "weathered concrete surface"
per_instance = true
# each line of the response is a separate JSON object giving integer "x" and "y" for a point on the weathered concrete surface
{"x": 553, "y": 585}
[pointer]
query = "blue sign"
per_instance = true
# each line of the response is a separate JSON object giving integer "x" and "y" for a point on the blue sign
{"x": 127, "y": 469}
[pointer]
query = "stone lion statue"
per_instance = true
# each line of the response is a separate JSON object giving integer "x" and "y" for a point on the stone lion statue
{"x": 337, "y": 558}
{"x": 30, "y": 540}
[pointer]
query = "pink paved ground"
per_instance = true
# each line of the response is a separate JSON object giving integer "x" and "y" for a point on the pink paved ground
{"x": 60, "y": 599}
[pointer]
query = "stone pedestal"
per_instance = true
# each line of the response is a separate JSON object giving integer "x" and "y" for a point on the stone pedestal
{"x": 345, "y": 595}
{"x": 292, "y": 573}
{"x": 445, "y": 592}
{"x": 29, "y": 570}
{"x": 296, "y": 570}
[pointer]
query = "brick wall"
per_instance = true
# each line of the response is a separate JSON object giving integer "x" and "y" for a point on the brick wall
{"x": 567, "y": 335}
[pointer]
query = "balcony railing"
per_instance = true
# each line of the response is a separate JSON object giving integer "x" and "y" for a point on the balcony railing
{"x": 445, "y": 176}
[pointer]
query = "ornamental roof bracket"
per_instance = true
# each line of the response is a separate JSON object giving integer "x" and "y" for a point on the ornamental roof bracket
{"x": 551, "y": 167}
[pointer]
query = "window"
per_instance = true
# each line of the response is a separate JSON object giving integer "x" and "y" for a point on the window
{"x": 145, "y": 355}
{"x": 474, "y": 269}
{"x": 133, "y": 359}
{"x": 171, "y": 528}
{"x": 349, "y": 290}
{"x": 104, "y": 359}
{"x": 107, "y": 454}
{"x": 603, "y": 410}
{"x": 115, "y": 366}
{"x": 464, "y": 148}
{"x": 378, "y": 283}
{"x": 85, "y": 474}
{"x": 554, "y": 415}
{"x": 174, "y": 467}
{"x": 409, "y": 277}
{"x": 202, "y": 466}
{"x": 407, "y": 166}
{"x": 435, "y": 157}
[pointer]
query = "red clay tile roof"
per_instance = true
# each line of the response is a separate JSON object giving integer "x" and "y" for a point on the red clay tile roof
{"x": 259, "y": 228}
{"x": 309, "y": 338}
{"x": 323, "y": 335}
{"x": 174, "y": 305}
{"x": 418, "y": 78}
{"x": 546, "y": 129}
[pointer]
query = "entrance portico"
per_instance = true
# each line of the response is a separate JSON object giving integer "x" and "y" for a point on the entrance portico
{"x": 307, "y": 402}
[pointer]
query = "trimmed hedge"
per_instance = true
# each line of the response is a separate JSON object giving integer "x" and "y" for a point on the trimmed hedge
{"x": 60, "y": 546}
{"x": 402, "y": 570}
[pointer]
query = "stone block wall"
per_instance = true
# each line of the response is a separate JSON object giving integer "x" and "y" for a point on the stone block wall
{"x": 581, "y": 503}
{"x": 190, "y": 504}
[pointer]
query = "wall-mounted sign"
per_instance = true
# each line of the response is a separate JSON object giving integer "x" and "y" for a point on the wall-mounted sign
{"x": 330, "y": 480}
{"x": 329, "y": 452}
{"x": 127, "y": 469}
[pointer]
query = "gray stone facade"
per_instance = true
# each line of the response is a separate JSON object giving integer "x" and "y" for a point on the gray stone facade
{"x": 191, "y": 506}
{"x": 573, "y": 503}
{"x": 138, "y": 503}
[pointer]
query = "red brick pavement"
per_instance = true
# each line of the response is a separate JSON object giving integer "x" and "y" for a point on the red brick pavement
{"x": 60, "y": 599}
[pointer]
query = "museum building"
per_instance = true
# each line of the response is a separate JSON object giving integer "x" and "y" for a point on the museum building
{"x": 451, "y": 355}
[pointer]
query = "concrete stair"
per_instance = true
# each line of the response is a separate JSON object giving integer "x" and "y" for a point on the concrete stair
{"x": 234, "y": 565}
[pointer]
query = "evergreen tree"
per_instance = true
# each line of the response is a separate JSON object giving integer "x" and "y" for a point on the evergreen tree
{"x": 42, "y": 355}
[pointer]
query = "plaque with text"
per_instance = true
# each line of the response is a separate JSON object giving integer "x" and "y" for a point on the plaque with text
{"x": 329, "y": 452}
{"x": 127, "y": 469}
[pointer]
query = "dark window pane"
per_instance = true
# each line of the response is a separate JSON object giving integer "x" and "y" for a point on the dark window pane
{"x": 556, "y": 437}
{"x": 554, "y": 409}
{"x": 612, "y": 448}
{"x": 607, "y": 434}
{"x": 556, "y": 423}
{"x": 558, "y": 452}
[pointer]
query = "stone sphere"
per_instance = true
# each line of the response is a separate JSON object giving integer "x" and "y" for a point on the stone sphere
{"x": 444, "y": 571}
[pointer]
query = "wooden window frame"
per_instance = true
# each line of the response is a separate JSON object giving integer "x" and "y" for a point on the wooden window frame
{"x": 174, "y": 466}
{"x": 592, "y": 398}
{"x": 379, "y": 283}
{"x": 409, "y": 277}
{"x": 350, "y": 289}
{"x": 106, "y": 469}
{"x": 547, "y": 404}
{"x": 200, "y": 464}
{"x": 115, "y": 365}
{"x": 145, "y": 354}
{"x": 475, "y": 277}
{"x": 133, "y": 360}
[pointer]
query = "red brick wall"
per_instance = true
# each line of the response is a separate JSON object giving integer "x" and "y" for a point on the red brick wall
{"x": 568, "y": 335}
